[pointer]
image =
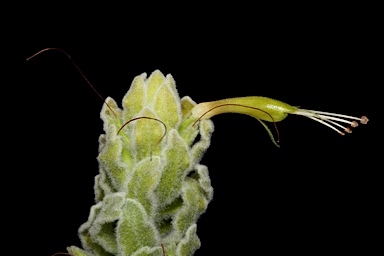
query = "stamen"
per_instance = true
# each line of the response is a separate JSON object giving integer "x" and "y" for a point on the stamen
{"x": 321, "y": 121}
{"x": 336, "y": 119}
{"x": 337, "y": 124}
{"x": 332, "y": 114}
{"x": 150, "y": 118}
{"x": 329, "y": 119}
{"x": 162, "y": 248}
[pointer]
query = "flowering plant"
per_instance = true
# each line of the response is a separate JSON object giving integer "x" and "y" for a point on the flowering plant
{"x": 151, "y": 188}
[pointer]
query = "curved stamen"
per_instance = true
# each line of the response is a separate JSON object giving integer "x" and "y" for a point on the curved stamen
{"x": 150, "y": 118}
{"x": 78, "y": 69}
{"x": 240, "y": 105}
{"x": 162, "y": 248}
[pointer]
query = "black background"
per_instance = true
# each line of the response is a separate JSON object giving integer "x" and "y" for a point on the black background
{"x": 320, "y": 192}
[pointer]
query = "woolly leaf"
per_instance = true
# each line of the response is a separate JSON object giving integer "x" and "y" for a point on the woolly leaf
{"x": 145, "y": 178}
{"x": 177, "y": 162}
{"x": 167, "y": 106}
{"x": 134, "y": 229}
{"x": 135, "y": 99}
{"x": 155, "y": 80}
{"x": 190, "y": 243}
{"x": 148, "y": 134}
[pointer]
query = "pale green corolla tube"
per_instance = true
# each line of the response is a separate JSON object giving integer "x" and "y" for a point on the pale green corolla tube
{"x": 271, "y": 110}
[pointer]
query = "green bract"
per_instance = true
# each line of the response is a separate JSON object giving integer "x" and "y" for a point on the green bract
{"x": 149, "y": 191}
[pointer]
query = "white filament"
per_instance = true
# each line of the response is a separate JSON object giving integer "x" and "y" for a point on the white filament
{"x": 329, "y": 119}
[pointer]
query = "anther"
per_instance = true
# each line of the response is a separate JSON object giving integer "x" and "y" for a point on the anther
{"x": 364, "y": 120}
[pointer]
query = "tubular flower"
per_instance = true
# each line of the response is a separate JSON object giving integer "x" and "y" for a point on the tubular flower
{"x": 271, "y": 110}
